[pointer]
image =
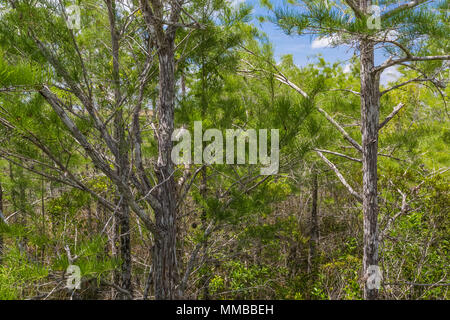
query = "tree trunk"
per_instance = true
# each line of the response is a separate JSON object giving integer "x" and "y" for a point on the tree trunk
{"x": 123, "y": 215}
{"x": 369, "y": 129}
{"x": 164, "y": 253}
{"x": 207, "y": 275}
{"x": 115, "y": 234}
{"x": 43, "y": 217}
{"x": 122, "y": 218}
{"x": 125, "y": 250}
{"x": 204, "y": 181}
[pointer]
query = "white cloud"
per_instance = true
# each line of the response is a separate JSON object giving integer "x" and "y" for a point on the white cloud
{"x": 321, "y": 43}
{"x": 326, "y": 42}
{"x": 347, "y": 68}
{"x": 390, "y": 75}
{"x": 236, "y": 3}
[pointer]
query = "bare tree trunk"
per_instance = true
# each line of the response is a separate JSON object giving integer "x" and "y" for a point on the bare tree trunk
{"x": 204, "y": 181}
{"x": 125, "y": 250}
{"x": 370, "y": 102}
{"x": 164, "y": 253}
{"x": 203, "y": 193}
{"x": 115, "y": 234}
{"x": 123, "y": 215}
{"x": 43, "y": 217}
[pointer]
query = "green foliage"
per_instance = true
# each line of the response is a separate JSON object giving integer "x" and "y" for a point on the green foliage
{"x": 19, "y": 276}
{"x": 68, "y": 203}
{"x": 91, "y": 259}
{"x": 242, "y": 281}
{"x": 261, "y": 245}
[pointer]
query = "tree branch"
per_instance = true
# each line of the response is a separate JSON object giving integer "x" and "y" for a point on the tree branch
{"x": 358, "y": 13}
{"x": 339, "y": 155}
{"x": 340, "y": 176}
{"x": 391, "y": 115}
{"x": 389, "y": 63}
{"x": 409, "y": 5}
{"x": 404, "y": 84}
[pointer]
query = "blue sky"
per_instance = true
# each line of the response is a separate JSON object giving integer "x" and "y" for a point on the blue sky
{"x": 305, "y": 48}
{"x": 301, "y": 47}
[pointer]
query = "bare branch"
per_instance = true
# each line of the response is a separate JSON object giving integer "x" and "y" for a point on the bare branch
{"x": 391, "y": 115}
{"x": 193, "y": 257}
{"x": 390, "y": 62}
{"x": 279, "y": 76}
{"x": 346, "y": 90}
{"x": 409, "y": 5}
{"x": 340, "y": 176}
{"x": 339, "y": 155}
{"x": 347, "y": 137}
{"x": 404, "y": 84}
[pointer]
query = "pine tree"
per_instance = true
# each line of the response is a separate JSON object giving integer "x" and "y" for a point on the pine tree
{"x": 399, "y": 29}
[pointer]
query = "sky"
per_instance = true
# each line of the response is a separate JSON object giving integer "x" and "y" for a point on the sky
{"x": 305, "y": 48}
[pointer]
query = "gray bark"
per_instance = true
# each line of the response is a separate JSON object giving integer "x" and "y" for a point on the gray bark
{"x": 125, "y": 251}
{"x": 165, "y": 268}
{"x": 164, "y": 254}
{"x": 370, "y": 102}
{"x": 122, "y": 227}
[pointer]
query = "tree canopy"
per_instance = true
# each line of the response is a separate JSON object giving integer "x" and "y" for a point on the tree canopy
{"x": 92, "y": 97}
